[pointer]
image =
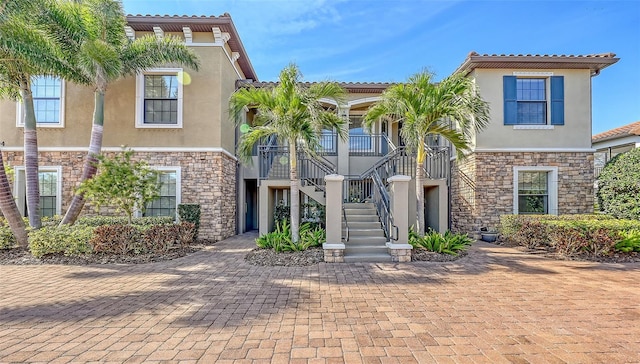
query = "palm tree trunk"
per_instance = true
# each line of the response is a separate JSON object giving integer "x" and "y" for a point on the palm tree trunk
{"x": 295, "y": 192}
{"x": 91, "y": 162}
{"x": 31, "y": 155}
{"x": 420, "y": 189}
{"x": 10, "y": 209}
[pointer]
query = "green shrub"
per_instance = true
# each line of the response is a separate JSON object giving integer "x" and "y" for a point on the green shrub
{"x": 190, "y": 213}
{"x": 66, "y": 239}
{"x": 117, "y": 239}
{"x": 618, "y": 187}
{"x": 146, "y": 221}
{"x": 276, "y": 239}
{"x": 280, "y": 239}
{"x": 447, "y": 243}
{"x": 630, "y": 241}
{"x": 282, "y": 212}
{"x": 7, "y": 240}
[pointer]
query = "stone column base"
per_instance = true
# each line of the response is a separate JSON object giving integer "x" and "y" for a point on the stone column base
{"x": 333, "y": 252}
{"x": 400, "y": 253}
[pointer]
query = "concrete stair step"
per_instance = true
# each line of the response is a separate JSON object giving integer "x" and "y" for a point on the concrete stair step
{"x": 360, "y": 212}
{"x": 365, "y": 232}
{"x": 362, "y": 218}
{"x": 365, "y": 249}
{"x": 366, "y": 240}
{"x": 367, "y": 258}
{"x": 354, "y": 225}
{"x": 358, "y": 205}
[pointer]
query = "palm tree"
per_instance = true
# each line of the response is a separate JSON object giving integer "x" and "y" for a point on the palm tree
{"x": 104, "y": 54}
{"x": 28, "y": 49}
{"x": 451, "y": 108}
{"x": 10, "y": 209}
{"x": 293, "y": 113}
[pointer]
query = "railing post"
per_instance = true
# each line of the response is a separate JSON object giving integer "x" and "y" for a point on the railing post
{"x": 334, "y": 247}
{"x": 400, "y": 249}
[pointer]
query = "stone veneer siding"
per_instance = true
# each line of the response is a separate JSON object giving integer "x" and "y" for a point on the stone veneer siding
{"x": 482, "y": 186}
{"x": 208, "y": 178}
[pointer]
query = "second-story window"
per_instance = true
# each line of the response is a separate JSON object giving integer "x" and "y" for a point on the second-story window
{"x": 159, "y": 99}
{"x": 532, "y": 101}
{"x": 47, "y": 93}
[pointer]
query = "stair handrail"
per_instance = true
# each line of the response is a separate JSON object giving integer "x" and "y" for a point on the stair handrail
{"x": 382, "y": 201}
{"x": 317, "y": 163}
{"x": 346, "y": 224}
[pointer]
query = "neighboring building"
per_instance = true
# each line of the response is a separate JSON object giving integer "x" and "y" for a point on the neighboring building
{"x": 534, "y": 157}
{"x": 613, "y": 142}
{"x": 179, "y": 127}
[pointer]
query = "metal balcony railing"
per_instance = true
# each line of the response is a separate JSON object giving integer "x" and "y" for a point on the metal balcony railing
{"x": 370, "y": 145}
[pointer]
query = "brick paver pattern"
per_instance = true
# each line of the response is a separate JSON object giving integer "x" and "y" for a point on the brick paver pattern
{"x": 496, "y": 305}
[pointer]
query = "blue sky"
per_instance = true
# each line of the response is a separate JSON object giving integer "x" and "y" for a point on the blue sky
{"x": 388, "y": 40}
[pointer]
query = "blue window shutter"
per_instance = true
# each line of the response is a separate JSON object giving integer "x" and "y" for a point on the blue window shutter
{"x": 557, "y": 100}
{"x": 510, "y": 100}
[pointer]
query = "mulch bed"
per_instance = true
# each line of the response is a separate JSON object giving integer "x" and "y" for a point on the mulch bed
{"x": 632, "y": 257}
{"x": 423, "y": 255}
{"x": 269, "y": 257}
{"x": 21, "y": 256}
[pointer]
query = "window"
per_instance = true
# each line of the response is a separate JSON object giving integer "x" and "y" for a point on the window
{"x": 359, "y": 138}
{"x": 159, "y": 99}
{"x": 167, "y": 202}
{"x": 532, "y": 102}
{"x": 49, "y": 179}
{"x": 526, "y": 100}
{"x": 535, "y": 190}
{"x": 48, "y": 102}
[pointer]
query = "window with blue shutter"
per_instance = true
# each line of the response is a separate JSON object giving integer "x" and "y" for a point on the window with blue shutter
{"x": 525, "y": 101}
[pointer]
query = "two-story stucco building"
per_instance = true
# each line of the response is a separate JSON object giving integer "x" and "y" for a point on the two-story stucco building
{"x": 534, "y": 157}
{"x": 174, "y": 118}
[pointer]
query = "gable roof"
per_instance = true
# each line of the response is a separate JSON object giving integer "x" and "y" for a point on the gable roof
{"x": 594, "y": 62}
{"x": 175, "y": 23}
{"x": 623, "y": 131}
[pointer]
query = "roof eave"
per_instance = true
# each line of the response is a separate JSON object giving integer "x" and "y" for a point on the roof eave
{"x": 235, "y": 42}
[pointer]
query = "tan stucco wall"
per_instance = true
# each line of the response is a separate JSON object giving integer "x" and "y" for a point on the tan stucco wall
{"x": 576, "y": 131}
{"x": 205, "y": 113}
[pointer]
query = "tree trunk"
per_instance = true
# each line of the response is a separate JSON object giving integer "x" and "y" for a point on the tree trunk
{"x": 295, "y": 192}
{"x": 420, "y": 189}
{"x": 31, "y": 156}
{"x": 10, "y": 209}
{"x": 91, "y": 162}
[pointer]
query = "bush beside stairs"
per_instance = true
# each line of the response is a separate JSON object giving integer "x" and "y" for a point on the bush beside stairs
{"x": 367, "y": 242}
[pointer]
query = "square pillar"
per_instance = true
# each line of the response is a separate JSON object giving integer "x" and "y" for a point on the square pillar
{"x": 334, "y": 247}
{"x": 400, "y": 249}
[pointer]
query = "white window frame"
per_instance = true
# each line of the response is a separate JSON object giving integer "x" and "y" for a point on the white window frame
{"x": 140, "y": 98}
{"x": 178, "y": 171}
{"x": 19, "y": 192}
{"x": 19, "y": 111}
{"x": 552, "y": 185}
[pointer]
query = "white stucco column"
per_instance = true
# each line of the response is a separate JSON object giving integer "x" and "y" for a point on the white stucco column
{"x": 400, "y": 249}
{"x": 334, "y": 247}
{"x": 343, "y": 145}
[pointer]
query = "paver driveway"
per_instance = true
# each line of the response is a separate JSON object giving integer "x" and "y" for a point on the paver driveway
{"x": 496, "y": 306}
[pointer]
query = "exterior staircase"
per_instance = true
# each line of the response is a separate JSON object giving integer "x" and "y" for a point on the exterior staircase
{"x": 367, "y": 242}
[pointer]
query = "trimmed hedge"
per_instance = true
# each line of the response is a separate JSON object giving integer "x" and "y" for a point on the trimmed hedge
{"x": 571, "y": 235}
{"x": 68, "y": 240}
{"x": 7, "y": 240}
{"x": 190, "y": 213}
{"x": 141, "y": 239}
